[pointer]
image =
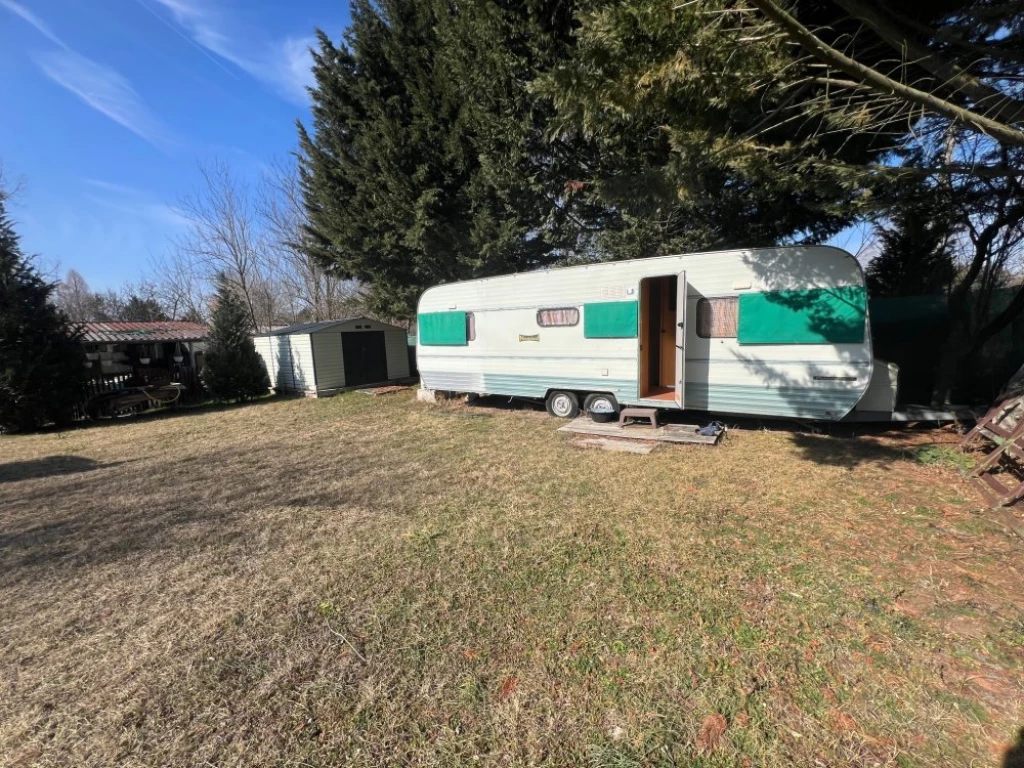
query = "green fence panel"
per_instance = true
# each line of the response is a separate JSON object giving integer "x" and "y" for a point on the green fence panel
{"x": 610, "y": 320}
{"x": 814, "y": 316}
{"x": 442, "y": 329}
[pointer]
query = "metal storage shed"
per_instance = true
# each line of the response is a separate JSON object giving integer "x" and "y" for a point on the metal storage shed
{"x": 322, "y": 358}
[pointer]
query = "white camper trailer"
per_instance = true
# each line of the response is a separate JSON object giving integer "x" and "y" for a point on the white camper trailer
{"x": 777, "y": 332}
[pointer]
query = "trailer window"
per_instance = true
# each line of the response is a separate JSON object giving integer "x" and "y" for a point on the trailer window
{"x": 470, "y": 326}
{"x": 561, "y": 316}
{"x": 717, "y": 318}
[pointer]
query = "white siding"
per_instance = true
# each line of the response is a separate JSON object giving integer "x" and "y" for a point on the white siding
{"x": 397, "y": 343}
{"x": 265, "y": 348}
{"x": 282, "y": 351}
{"x": 330, "y": 364}
{"x": 304, "y": 375}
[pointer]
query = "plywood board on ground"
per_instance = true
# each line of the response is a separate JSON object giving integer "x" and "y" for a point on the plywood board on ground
{"x": 610, "y": 444}
{"x": 669, "y": 433}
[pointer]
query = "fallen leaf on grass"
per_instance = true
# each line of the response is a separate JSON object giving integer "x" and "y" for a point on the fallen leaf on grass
{"x": 842, "y": 721}
{"x": 711, "y": 731}
{"x": 508, "y": 687}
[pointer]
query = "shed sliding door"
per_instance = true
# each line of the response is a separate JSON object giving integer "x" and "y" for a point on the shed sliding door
{"x": 365, "y": 356}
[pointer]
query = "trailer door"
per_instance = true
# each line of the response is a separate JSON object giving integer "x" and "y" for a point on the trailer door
{"x": 681, "y": 340}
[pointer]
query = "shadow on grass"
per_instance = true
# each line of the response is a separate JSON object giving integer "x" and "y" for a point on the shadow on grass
{"x": 846, "y": 451}
{"x": 174, "y": 412}
{"x": 1014, "y": 757}
{"x": 217, "y": 499}
{"x": 49, "y": 466}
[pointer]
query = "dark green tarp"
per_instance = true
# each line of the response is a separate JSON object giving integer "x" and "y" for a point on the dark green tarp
{"x": 813, "y": 316}
{"x": 610, "y": 320}
{"x": 443, "y": 329}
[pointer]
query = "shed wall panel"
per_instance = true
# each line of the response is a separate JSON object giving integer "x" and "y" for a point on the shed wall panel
{"x": 397, "y": 343}
{"x": 330, "y": 364}
{"x": 303, "y": 371}
{"x": 282, "y": 351}
{"x": 265, "y": 349}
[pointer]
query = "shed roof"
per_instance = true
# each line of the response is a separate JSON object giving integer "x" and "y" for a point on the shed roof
{"x": 142, "y": 333}
{"x": 303, "y": 328}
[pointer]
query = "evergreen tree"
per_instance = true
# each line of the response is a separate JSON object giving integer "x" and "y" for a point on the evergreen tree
{"x": 699, "y": 148}
{"x": 142, "y": 310}
{"x": 42, "y": 363}
{"x": 451, "y": 142}
{"x": 427, "y": 160}
{"x": 234, "y": 370}
{"x": 916, "y": 258}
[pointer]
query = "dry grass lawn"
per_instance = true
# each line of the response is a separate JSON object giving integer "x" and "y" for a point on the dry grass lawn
{"x": 368, "y": 581}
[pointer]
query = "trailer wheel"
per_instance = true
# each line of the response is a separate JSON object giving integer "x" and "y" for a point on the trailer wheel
{"x": 601, "y": 407}
{"x": 564, "y": 405}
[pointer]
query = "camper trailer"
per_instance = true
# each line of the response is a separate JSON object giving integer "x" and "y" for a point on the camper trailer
{"x": 777, "y": 332}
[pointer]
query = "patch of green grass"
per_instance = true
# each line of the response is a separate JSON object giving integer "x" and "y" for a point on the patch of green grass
{"x": 943, "y": 455}
{"x": 971, "y": 710}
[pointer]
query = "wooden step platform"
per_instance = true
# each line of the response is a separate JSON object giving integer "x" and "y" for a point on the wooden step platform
{"x": 668, "y": 433}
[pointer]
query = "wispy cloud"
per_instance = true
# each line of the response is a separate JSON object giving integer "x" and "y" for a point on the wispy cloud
{"x": 26, "y": 15}
{"x": 105, "y": 90}
{"x": 134, "y": 202}
{"x": 101, "y": 87}
{"x": 110, "y": 186}
{"x": 284, "y": 65}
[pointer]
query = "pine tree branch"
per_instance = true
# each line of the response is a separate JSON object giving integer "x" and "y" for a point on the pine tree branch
{"x": 947, "y": 37}
{"x": 801, "y": 35}
{"x": 999, "y": 105}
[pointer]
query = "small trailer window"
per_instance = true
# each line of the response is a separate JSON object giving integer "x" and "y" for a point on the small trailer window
{"x": 717, "y": 318}
{"x": 470, "y": 326}
{"x": 562, "y": 316}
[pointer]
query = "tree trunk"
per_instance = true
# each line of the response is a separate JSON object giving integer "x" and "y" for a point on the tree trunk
{"x": 952, "y": 357}
{"x": 955, "y": 350}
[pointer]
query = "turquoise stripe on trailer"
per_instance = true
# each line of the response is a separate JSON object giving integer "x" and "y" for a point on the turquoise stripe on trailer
{"x": 513, "y": 385}
{"x": 825, "y": 403}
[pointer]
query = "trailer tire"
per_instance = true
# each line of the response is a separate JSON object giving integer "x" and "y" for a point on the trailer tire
{"x": 607, "y": 407}
{"x": 562, "y": 405}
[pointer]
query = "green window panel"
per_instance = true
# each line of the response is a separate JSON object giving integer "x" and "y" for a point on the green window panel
{"x": 814, "y": 316}
{"x": 443, "y": 329}
{"x": 610, "y": 320}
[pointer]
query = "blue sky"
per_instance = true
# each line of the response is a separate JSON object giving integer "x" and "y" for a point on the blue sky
{"x": 109, "y": 106}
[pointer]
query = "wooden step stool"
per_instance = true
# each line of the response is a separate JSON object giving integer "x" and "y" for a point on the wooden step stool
{"x": 639, "y": 413}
